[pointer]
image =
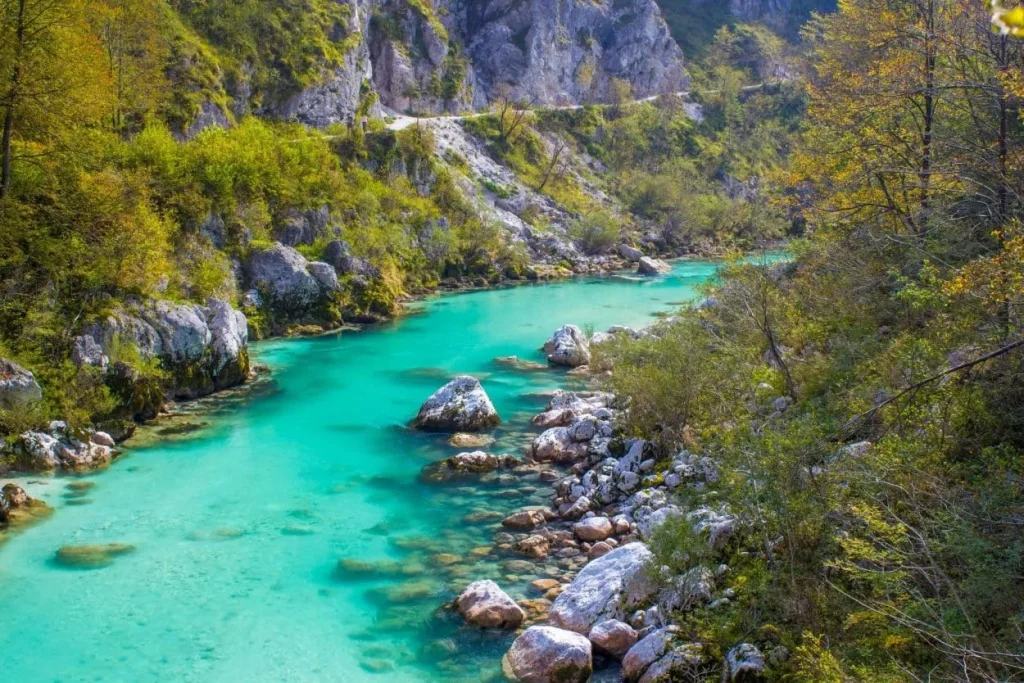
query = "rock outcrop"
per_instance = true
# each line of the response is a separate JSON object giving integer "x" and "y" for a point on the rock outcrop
{"x": 485, "y": 605}
{"x": 18, "y": 386}
{"x": 568, "y": 52}
{"x": 285, "y": 277}
{"x": 543, "y": 654}
{"x": 58, "y": 449}
{"x": 204, "y": 348}
{"x": 550, "y": 53}
{"x": 462, "y": 405}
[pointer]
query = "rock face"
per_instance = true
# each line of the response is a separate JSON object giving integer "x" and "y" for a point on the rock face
{"x": 777, "y": 13}
{"x": 567, "y": 52}
{"x": 18, "y": 386}
{"x": 550, "y": 53}
{"x": 605, "y": 589}
{"x": 568, "y": 346}
{"x": 462, "y": 405}
{"x": 543, "y": 654}
{"x": 484, "y": 604}
{"x": 205, "y": 348}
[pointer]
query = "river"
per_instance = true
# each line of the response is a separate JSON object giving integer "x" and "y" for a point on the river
{"x": 239, "y": 528}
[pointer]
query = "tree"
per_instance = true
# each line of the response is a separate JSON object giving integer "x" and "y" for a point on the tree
{"x": 512, "y": 113}
{"x": 50, "y": 80}
{"x": 135, "y": 55}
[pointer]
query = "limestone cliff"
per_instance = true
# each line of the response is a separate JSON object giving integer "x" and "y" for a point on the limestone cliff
{"x": 453, "y": 55}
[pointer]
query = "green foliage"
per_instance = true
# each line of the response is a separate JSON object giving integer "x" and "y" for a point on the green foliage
{"x": 596, "y": 233}
{"x": 278, "y": 46}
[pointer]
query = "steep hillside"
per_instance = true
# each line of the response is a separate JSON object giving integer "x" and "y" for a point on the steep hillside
{"x": 693, "y": 22}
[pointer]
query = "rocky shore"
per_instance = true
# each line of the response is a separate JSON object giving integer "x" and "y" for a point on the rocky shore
{"x": 602, "y": 601}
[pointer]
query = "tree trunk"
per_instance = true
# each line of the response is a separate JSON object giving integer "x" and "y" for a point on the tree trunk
{"x": 12, "y": 101}
{"x": 929, "y": 114}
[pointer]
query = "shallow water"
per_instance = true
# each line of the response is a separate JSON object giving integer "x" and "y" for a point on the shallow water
{"x": 239, "y": 527}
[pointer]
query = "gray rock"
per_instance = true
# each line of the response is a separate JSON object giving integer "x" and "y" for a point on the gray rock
{"x": 568, "y": 346}
{"x": 462, "y": 405}
{"x": 646, "y": 652}
{"x": 43, "y": 452}
{"x": 745, "y": 662}
{"x": 284, "y": 274}
{"x": 484, "y": 604}
{"x": 614, "y": 637}
{"x": 630, "y": 253}
{"x": 86, "y": 351}
{"x": 607, "y": 588}
{"x": 543, "y": 654}
{"x": 653, "y": 266}
{"x": 555, "y": 445}
{"x": 18, "y": 386}
{"x": 325, "y": 274}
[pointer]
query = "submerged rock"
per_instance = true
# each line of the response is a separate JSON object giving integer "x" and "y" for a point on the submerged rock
{"x": 484, "y": 604}
{"x": 519, "y": 364}
{"x": 91, "y": 556}
{"x": 543, "y": 654}
{"x": 18, "y": 386}
{"x": 18, "y": 509}
{"x": 462, "y": 405}
{"x": 568, "y": 346}
{"x": 462, "y": 440}
{"x": 467, "y": 463}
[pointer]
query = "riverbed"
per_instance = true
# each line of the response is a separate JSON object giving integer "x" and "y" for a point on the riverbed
{"x": 238, "y": 526}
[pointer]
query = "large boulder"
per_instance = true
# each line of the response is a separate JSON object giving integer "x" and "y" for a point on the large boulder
{"x": 325, "y": 274}
{"x": 283, "y": 274}
{"x": 662, "y": 657}
{"x": 653, "y": 266}
{"x": 18, "y": 386}
{"x": 543, "y": 654}
{"x": 605, "y": 589}
{"x": 568, "y": 346}
{"x": 484, "y": 604}
{"x": 462, "y": 405}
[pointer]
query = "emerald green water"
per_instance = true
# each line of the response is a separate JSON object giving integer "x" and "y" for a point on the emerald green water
{"x": 239, "y": 528}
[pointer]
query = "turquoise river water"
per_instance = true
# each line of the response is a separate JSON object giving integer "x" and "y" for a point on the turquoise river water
{"x": 239, "y": 525}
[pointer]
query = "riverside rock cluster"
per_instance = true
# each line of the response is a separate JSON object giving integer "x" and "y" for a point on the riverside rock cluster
{"x": 610, "y": 605}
